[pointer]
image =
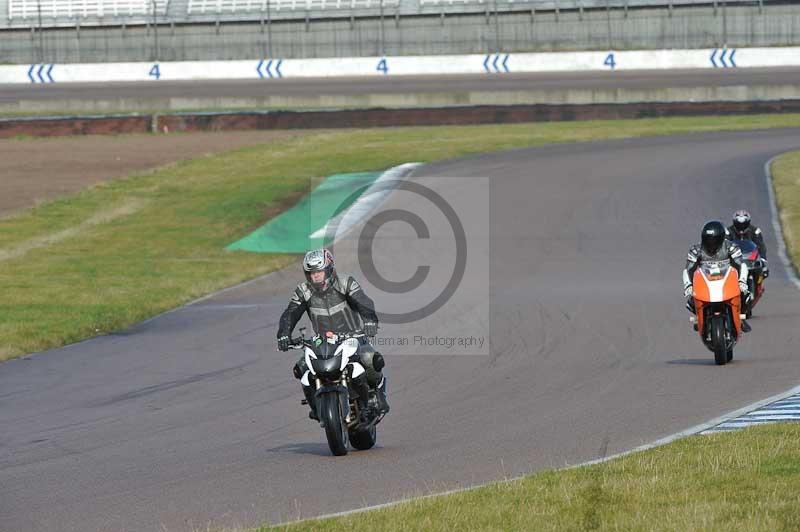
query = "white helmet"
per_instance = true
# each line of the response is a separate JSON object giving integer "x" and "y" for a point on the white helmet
{"x": 741, "y": 221}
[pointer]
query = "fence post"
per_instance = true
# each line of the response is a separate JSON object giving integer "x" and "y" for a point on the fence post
{"x": 724, "y": 24}
{"x": 269, "y": 29}
{"x": 156, "y": 50}
{"x": 496, "y": 28}
{"x": 41, "y": 35}
{"x": 382, "y": 51}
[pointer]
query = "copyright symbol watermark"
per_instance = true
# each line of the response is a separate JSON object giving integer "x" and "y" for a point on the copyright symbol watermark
{"x": 368, "y": 236}
{"x": 419, "y": 248}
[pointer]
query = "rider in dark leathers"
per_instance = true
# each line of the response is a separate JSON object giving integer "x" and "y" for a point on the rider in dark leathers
{"x": 333, "y": 304}
{"x": 743, "y": 229}
{"x": 714, "y": 247}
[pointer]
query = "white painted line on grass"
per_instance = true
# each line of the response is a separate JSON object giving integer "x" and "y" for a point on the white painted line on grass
{"x": 372, "y": 197}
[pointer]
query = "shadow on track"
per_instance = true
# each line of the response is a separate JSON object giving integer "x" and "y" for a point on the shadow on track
{"x": 707, "y": 361}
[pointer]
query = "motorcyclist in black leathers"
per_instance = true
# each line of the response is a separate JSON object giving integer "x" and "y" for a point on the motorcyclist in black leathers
{"x": 715, "y": 247}
{"x": 743, "y": 229}
{"x": 333, "y": 304}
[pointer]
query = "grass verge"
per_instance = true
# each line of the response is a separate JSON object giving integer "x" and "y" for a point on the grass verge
{"x": 786, "y": 181}
{"x": 120, "y": 252}
{"x": 748, "y": 480}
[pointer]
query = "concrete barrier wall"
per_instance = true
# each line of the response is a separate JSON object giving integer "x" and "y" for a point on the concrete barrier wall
{"x": 612, "y": 96}
{"x": 449, "y": 34}
{"x": 489, "y": 64}
{"x": 170, "y": 123}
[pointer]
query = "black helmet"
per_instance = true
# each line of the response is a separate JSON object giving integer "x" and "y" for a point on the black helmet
{"x": 741, "y": 221}
{"x": 712, "y": 237}
{"x": 319, "y": 260}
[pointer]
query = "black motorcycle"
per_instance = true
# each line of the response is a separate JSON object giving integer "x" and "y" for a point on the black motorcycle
{"x": 347, "y": 409}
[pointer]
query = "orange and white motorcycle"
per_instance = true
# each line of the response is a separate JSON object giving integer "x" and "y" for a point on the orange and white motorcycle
{"x": 717, "y": 304}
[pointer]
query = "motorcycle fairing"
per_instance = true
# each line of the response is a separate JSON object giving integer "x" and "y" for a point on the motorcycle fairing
{"x": 716, "y": 283}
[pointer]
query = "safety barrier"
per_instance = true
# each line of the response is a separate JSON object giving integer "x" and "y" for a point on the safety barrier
{"x": 493, "y": 64}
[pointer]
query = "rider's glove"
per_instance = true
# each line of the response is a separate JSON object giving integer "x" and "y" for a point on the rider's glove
{"x": 743, "y": 288}
{"x": 370, "y": 328}
{"x": 688, "y": 291}
{"x": 283, "y": 343}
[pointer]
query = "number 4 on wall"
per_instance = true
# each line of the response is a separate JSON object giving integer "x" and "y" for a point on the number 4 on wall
{"x": 610, "y": 62}
{"x": 383, "y": 66}
{"x": 155, "y": 72}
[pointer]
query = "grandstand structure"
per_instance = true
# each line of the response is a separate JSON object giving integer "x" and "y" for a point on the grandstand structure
{"x": 69, "y": 13}
{"x": 41, "y": 31}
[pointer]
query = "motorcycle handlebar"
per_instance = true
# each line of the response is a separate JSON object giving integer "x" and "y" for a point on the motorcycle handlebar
{"x": 299, "y": 343}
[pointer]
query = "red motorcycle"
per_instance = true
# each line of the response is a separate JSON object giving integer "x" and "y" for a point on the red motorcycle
{"x": 755, "y": 279}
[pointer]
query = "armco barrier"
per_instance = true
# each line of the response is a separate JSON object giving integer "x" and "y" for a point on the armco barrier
{"x": 272, "y": 68}
{"x": 189, "y": 122}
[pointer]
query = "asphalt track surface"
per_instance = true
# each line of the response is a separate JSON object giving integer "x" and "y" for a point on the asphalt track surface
{"x": 193, "y": 420}
{"x": 654, "y": 79}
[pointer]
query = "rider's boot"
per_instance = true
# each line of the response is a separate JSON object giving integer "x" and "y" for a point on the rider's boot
{"x": 311, "y": 399}
{"x": 383, "y": 404}
{"x": 691, "y": 308}
{"x": 744, "y": 302}
{"x": 361, "y": 387}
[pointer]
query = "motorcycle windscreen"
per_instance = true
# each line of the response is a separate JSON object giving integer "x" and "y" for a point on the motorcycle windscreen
{"x": 749, "y": 250}
{"x": 747, "y": 246}
{"x": 327, "y": 367}
{"x": 326, "y": 350}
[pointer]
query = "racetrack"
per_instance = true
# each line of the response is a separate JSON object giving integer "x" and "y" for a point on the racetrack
{"x": 402, "y": 85}
{"x": 192, "y": 420}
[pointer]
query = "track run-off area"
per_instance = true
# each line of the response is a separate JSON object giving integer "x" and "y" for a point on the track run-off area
{"x": 192, "y": 420}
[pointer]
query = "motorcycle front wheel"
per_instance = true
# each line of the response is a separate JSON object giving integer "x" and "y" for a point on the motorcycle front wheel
{"x": 718, "y": 340}
{"x": 331, "y": 417}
